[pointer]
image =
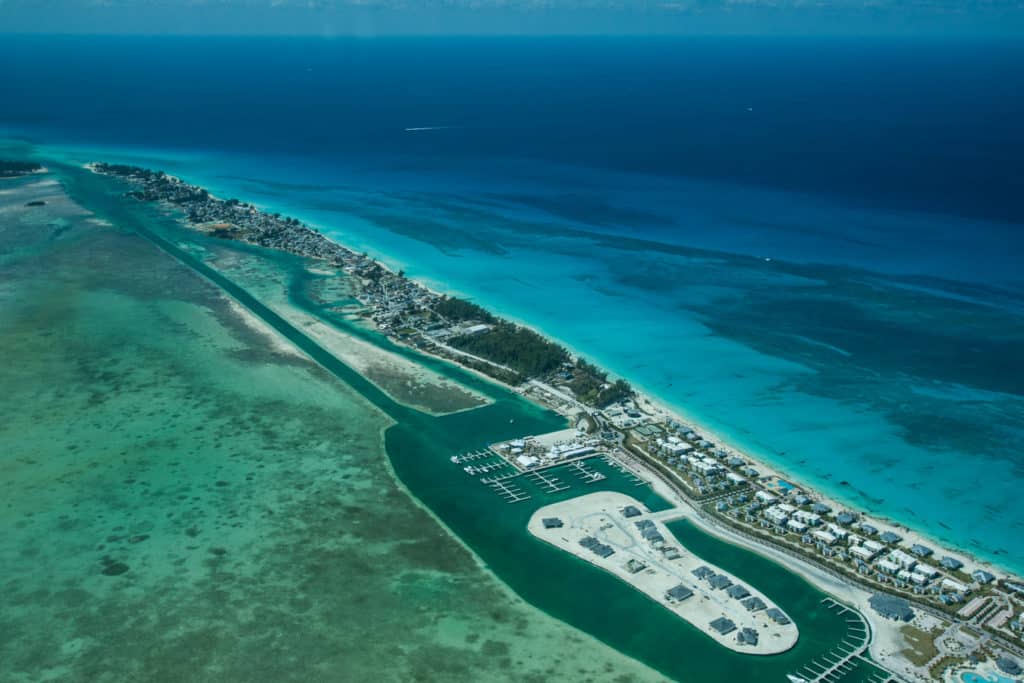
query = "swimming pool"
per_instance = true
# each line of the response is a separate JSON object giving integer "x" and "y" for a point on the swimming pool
{"x": 971, "y": 677}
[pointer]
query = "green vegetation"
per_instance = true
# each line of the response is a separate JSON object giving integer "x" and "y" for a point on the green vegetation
{"x": 590, "y": 385}
{"x": 460, "y": 310}
{"x": 516, "y": 347}
{"x": 922, "y": 645}
{"x": 12, "y": 169}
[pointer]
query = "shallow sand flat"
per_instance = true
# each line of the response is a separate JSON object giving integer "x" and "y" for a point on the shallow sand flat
{"x": 599, "y": 515}
{"x": 181, "y": 502}
{"x": 404, "y": 380}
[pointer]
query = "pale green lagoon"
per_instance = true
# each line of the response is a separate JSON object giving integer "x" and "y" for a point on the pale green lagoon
{"x": 145, "y": 425}
{"x": 191, "y": 497}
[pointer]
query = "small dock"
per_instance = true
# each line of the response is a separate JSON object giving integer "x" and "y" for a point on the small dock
{"x": 509, "y": 491}
{"x": 846, "y": 658}
{"x": 548, "y": 483}
{"x": 629, "y": 474}
{"x": 586, "y": 474}
{"x": 471, "y": 456}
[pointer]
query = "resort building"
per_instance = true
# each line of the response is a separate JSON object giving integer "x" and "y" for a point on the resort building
{"x": 552, "y": 523}
{"x": 903, "y": 559}
{"x": 891, "y": 607}
{"x": 982, "y": 576}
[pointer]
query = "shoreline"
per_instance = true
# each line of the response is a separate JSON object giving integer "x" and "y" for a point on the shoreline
{"x": 723, "y": 441}
{"x": 666, "y": 408}
{"x": 297, "y": 238}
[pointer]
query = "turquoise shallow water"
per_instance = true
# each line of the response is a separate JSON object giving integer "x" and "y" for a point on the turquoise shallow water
{"x": 898, "y": 393}
{"x": 419, "y": 446}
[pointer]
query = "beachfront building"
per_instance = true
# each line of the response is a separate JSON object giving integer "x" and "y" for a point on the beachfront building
{"x": 846, "y": 518}
{"x": 552, "y": 523}
{"x": 951, "y": 563}
{"x": 777, "y": 615}
{"x": 982, "y": 576}
{"x": 753, "y": 604}
{"x": 764, "y": 497}
{"x": 921, "y": 550}
{"x": 747, "y": 636}
{"x": 890, "y": 537}
{"x": 903, "y": 559}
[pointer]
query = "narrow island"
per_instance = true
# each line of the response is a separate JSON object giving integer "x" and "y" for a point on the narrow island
{"x": 617, "y": 533}
{"x": 15, "y": 169}
{"x": 956, "y": 610}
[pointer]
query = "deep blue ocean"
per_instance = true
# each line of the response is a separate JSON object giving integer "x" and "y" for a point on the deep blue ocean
{"x": 813, "y": 246}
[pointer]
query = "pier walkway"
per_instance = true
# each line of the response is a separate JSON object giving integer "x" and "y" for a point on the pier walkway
{"x": 847, "y": 657}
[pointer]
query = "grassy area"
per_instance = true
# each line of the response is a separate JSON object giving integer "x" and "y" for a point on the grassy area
{"x": 922, "y": 645}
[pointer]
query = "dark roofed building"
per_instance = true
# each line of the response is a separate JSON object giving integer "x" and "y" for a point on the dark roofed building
{"x": 631, "y": 511}
{"x": 921, "y": 550}
{"x": 737, "y": 592}
{"x": 890, "y": 537}
{"x": 951, "y": 563}
{"x": 723, "y": 625}
{"x": 778, "y": 616}
{"x": 821, "y": 509}
{"x": 845, "y": 518}
{"x": 678, "y": 593}
{"x": 753, "y": 604}
{"x": 747, "y": 636}
{"x": 552, "y": 523}
{"x": 982, "y": 576}
{"x": 703, "y": 572}
{"x": 719, "y": 581}
{"x": 891, "y": 607}
{"x": 644, "y": 524}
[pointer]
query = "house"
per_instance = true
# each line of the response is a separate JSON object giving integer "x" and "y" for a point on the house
{"x": 719, "y": 581}
{"x": 846, "y": 518}
{"x": 764, "y": 496}
{"x": 552, "y": 523}
{"x": 631, "y": 511}
{"x": 753, "y": 604}
{"x": 982, "y": 576}
{"x": 921, "y": 550}
{"x": 778, "y": 616}
{"x": 747, "y": 636}
{"x": 703, "y": 572}
{"x": 954, "y": 586}
{"x": 820, "y": 508}
{"x": 890, "y": 537}
{"x": 891, "y": 607}
{"x": 951, "y": 563}
{"x": 867, "y": 529}
{"x": 678, "y": 593}
{"x": 723, "y": 626}
{"x": 737, "y": 592}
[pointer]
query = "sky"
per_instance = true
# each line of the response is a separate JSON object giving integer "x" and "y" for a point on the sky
{"x": 512, "y": 17}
